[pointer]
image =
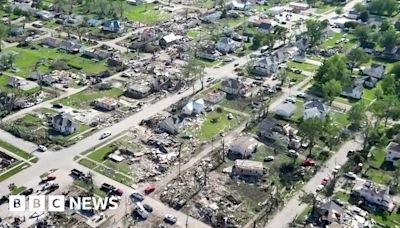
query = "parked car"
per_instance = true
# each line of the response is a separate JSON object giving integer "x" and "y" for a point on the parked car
{"x": 137, "y": 196}
{"x": 37, "y": 25}
{"x": 52, "y": 188}
{"x": 47, "y": 178}
{"x": 48, "y": 185}
{"x": 210, "y": 79}
{"x": 336, "y": 169}
{"x": 293, "y": 153}
{"x": 350, "y": 175}
{"x": 106, "y": 187}
{"x": 117, "y": 192}
{"x": 269, "y": 158}
{"x": 291, "y": 99}
{"x": 301, "y": 95}
{"x": 3, "y": 199}
{"x": 141, "y": 213}
{"x": 325, "y": 181}
{"x": 350, "y": 152}
{"x": 58, "y": 106}
{"x": 27, "y": 192}
{"x": 170, "y": 218}
{"x": 105, "y": 134}
{"x": 308, "y": 162}
{"x": 148, "y": 208}
{"x": 149, "y": 189}
{"x": 77, "y": 173}
{"x": 42, "y": 148}
{"x": 319, "y": 188}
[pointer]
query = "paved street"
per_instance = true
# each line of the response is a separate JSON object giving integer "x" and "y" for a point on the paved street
{"x": 294, "y": 207}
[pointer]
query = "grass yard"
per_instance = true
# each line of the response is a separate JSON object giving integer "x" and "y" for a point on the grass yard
{"x": 15, "y": 150}
{"x": 237, "y": 103}
{"x": 391, "y": 220}
{"x": 331, "y": 42}
{"x": 115, "y": 176}
{"x": 303, "y": 66}
{"x": 298, "y": 114}
{"x": 146, "y": 13}
{"x": 86, "y": 186}
{"x": 343, "y": 196}
{"x": 216, "y": 122}
{"x": 26, "y": 59}
{"x": 339, "y": 117}
{"x": 99, "y": 155}
{"x": 296, "y": 78}
{"x": 83, "y": 99}
{"x": 88, "y": 163}
{"x": 17, "y": 190}
{"x": 13, "y": 171}
{"x": 324, "y": 8}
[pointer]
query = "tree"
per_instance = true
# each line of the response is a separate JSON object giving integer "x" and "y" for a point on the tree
{"x": 331, "y": 89}
{"x": 282, "y": 75}
{"x": 311, "y": 2}
{"x": 389, "y": 40}
{"x": 333, "y": 68}
{"x": 269, "y": 40}
{"x": 382, "y": 7}
{"x": 388, "y": 85}
{"x": 315, "y": 31}
{"x": 396, "y": 69}
{"x": 357, "y": 115}
{"x": 355, "y": 57}
{"x": 364, "y": 16}
{"x": 311, "y": 129}
{"x": 385, "y": 26}
{"x": 3, "y": 34}
{"x": 363, "y": 34}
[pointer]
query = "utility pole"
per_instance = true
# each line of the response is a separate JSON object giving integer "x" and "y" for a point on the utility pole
{"x": 223, "y": 150}
{"x": 187, "y": 221}
{"x": 179, "y": 159}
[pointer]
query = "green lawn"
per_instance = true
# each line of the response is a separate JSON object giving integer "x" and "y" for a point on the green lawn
{"x": 303, "y": 66}
{"x": 115, "y": 176}
{"x": 193, "y": 33}
{"x": 298, "y": 114}
{"x": 14, "y": 171}
{"x": 339, "y": 117}
{"x": 297, "y": 78}
{"x": 342, "y": 196}
{"x": 86, "y": 186}
{"x": 83, "y": 99}
{"x": 26, "y": 59}
{"x": 237, "y": 103}
{"x": 331, "y": 42}
{"x": 209, "y": 128}
{"x": 145, "y": 13}
{"x": 392, "y": 220}
{"x": 324, "y": 8}
{"x": 15, "y": 150}
{"x": 17, "y": 190}
{"x": 99, "y": 155}
{"x": 88, "y": 163}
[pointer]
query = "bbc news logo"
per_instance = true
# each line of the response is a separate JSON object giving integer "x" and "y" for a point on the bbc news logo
{"x": 57, "y": 203}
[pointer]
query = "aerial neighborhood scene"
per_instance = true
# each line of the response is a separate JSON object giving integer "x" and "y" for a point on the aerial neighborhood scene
{"x": 200, "y": 113}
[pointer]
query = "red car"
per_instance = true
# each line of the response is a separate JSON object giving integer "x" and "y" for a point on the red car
{"x": 325, "y": 181}
{"x": 149, "y": 189}
{"x": 308, "y": 162}
{"x": 118, "y": 192}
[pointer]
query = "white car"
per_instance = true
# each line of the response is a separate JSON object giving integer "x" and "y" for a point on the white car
{"x": 291, "y": 99}
{"x": 336, "y": 169}
{"x": 269, "y": 158}
{"x": 319, "y": 188}
{"x": 301, "y": 95}
{"x": 105, "y": 134}
{"x": 350, "y": 175}
{"x": 42, "y": 148}
{"x": 293, "y": 153}
{"x": 170, "y": 218}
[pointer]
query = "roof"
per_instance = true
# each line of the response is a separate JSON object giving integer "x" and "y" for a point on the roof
{"x": 171, "y": 38}
{"x": 393, "y": 146}
{"x": 213, "y": 16}
{"x": 244, "y": 143}
{"x": 285, "y": 109}
{"x": 315, "y": 104}
{"x": 248, "y": 164}
{"x": 107, "y": 100}
{"x": 232, "y": 83}
{"x": 63, "y": 115}
{"x": 299, "y": 4}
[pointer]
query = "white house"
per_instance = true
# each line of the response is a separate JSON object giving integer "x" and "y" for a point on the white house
{"x": 194, "y": 107}
{"x": 106, "y": 103}
{"x": 16, "y": 82}
{"x": 248, "y": 168}
{"x": 64, "y": 123}
{"x": 354, "y": 92}
{"x": 392, "y": 152}
{"x": 314, "y": 109}
{"x": 240, "y": 5}
{"x": 299, "y": 6}
{"x": 374, "y": 194}
{"x": 273, "y": 11}
{"x": 285, "y": 110}
{"x": 170, "y": 39}
{"x": 243, "y": 147}
{"x": 233, "y": 86}
{"x": 227, "y": 45}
